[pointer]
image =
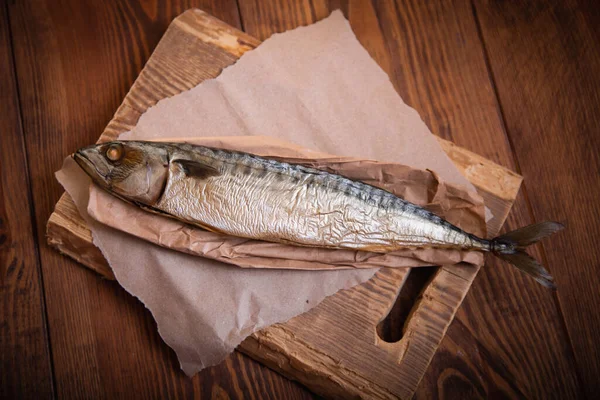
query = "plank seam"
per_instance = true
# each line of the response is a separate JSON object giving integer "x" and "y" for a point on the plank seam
{"x": 240, "y": 17}
{"x": 528, "y": 204}
{"x": 32, "y": 216}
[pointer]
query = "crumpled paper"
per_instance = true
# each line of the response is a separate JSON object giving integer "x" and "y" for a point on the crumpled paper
{"x": 313, "y": 86}
{"x": 457, "y": 205}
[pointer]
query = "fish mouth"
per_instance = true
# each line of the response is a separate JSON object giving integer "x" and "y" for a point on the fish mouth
{"x": 89, "y": 167}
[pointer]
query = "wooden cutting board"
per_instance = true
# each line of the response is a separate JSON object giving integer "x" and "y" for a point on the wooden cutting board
{"x": 335, "y": 349}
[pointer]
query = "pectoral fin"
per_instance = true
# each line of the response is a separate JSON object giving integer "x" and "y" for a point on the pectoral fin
{"x": 196, "y": 169}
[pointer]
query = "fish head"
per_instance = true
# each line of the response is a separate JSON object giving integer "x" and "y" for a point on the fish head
{"x": 135, "y": 171}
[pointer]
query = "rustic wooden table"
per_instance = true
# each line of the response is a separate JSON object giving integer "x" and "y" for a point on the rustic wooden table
{"x": 516, "y": 83}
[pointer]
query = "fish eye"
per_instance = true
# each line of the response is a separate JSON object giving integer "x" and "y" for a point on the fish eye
{"x": 114, "y": 152}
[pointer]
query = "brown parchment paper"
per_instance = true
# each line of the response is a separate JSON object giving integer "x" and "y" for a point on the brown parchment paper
{"x": 456, "y": 204}
{"x": 313, "y": 86}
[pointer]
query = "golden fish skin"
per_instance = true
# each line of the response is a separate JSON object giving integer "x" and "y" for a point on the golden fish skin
{"x": 262, "y": 199}
{"x": 244, "y": 195}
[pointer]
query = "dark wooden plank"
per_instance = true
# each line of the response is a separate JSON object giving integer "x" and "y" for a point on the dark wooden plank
{"x": 75, "y": 63}
{"x": 435, "y": 58}
{"x": 25, "y": 370}
{"x": 545, "y": 60}
{"x": 341, "y": 357}
{"x": 439, "y": 68}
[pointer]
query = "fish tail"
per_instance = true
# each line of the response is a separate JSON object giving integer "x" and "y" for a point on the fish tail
{"x": 510, "y": 247}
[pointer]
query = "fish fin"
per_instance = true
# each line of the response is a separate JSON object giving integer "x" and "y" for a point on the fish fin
{"x": 509, "y": 247}
{"x": 530, "y": 266}
{"x": 531, "y": 234}
{"x": 197, "y": 169}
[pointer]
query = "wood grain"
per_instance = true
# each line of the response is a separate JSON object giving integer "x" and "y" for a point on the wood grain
{"x": 75, "y": 62}
{"x": 375, "y": 369}
{"x": 545, "y": 60}
{"x": 435, "y": 58}
{"x": 311, "y": 359}
{"x": 437, "y": 64}
{"x": 439, "y": 68}
{"x": 25, "y": 369}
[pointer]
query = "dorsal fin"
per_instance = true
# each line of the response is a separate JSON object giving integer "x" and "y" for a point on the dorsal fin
{"x": 196, "y": 169}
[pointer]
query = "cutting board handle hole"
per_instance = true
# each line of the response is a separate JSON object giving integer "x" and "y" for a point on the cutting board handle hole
{"x": 391, "y": 328}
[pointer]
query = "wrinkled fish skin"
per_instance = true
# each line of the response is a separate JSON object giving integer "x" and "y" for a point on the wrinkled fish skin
{"x": 248, "y": 196}
{"x": 287, "y": 203}
{"x": 253, "y": 197}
